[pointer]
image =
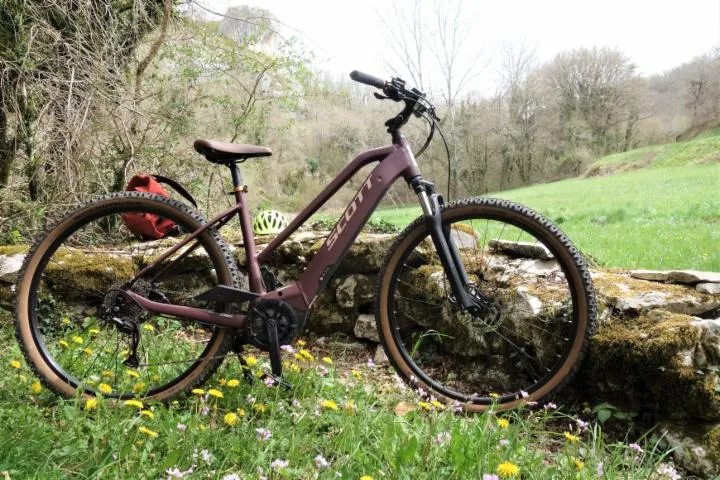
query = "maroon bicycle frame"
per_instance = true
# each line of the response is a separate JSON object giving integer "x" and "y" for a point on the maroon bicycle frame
{"x": 396, "y": 160}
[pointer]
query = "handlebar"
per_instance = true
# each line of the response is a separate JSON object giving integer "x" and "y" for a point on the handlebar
{"x": 368, "y": 79}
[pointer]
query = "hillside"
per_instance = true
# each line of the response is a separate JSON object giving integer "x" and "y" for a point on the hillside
{"x": 654, "y": 207}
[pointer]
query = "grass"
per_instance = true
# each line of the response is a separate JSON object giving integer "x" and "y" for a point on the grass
{"x": 650, "y": 218}
{"x": 340, "y": 420}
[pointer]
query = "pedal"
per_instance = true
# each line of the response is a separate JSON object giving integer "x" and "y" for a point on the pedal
{"x": 225, "y": 294}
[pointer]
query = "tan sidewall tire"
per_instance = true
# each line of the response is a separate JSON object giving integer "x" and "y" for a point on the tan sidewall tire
{"x": 492, "y": 209}
{"x": 29, "y": 344}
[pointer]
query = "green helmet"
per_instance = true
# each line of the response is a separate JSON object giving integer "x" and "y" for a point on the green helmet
{"x": 269, "y": 222}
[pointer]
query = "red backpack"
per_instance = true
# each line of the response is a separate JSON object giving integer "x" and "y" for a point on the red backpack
{"x": 149, "y": 225}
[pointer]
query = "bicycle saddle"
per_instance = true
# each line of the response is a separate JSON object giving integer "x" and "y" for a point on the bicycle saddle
{"x": 225, "y": 152}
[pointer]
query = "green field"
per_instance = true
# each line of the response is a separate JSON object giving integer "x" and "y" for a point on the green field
{"x": 660, "y": 218}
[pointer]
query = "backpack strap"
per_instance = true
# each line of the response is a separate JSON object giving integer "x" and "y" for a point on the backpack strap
{"x": 177, "y": 187}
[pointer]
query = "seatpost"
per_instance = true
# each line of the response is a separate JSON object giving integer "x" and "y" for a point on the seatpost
{"x": 240, "y": 190}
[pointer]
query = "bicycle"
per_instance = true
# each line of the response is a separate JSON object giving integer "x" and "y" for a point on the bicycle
{"x": 462, "y": 312}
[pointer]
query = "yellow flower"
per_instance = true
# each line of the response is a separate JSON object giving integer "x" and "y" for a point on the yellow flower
{"x": 329, "y": 404}
{"x": 301, "y": 343}
{"x": 36, "y": 388}
{"x": 579, "y": 464}
{"x": 350, "y": 406}
{"x": 155, "y": 378}
{"x": 148, "y": 432}
{"x": 230, "y": 418}
{"x": 91, "y": 403}
{"x": 327, "y": 360}
{"x": 148, "y": 327}
{"x": 65, "y": 321}
{"x": 436, "y": 404}
{"x": 251, "y": 361}
{"x": 240, "y": 412}
{"x": 222, "y": 382}
{"x": 494, "y": 395}
{"x": 233, "y": 383}
{"x": 507, "y": 469}
{"x": 356, "y": 374}
{"x": 139, "y": 387}
{"x": 78, "y": 339}
{"x": 294, "y": 367}
{"x": 197, "y": 391}
{"x": 15, "y": 364}
{"x": 306, "y": 354}
{"x": 108, "y": 374}
{"x": 147, "y": 413}
{"x": 64, "y": 344}
{"x": 133, "y": 374}
{"x": 215, "y": 393}
{"x": 105, "y": 389}
{"x": 94, "y": 331}
{"x": 503, "y": 422}
{"x": 425, "y": 406}
{"x": 571, "y": 438}
{"x": 133, "y": 403}
{"x": 260, "y": 407}
{"x": 366, "y": 477}
{"x": 88, "y": 351}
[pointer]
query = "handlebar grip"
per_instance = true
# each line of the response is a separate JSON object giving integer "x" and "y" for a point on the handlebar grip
{"x": 368, "y": 79}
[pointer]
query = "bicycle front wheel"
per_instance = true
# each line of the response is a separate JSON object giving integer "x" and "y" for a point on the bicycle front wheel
{"x": 536, "y": 315}
{"x": 79, "y": 334}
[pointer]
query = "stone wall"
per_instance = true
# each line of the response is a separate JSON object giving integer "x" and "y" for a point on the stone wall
{"x": 656, "y": 350}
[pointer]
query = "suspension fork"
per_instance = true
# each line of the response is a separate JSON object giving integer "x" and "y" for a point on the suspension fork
{"x": 444, "y": 245}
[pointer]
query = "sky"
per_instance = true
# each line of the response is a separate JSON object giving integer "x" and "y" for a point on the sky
{"x": 656, "y": 35}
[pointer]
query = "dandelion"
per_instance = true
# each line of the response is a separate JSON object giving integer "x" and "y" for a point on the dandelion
{"x": 305, "y": 354}
{"x": 260, "y": 407}
{"x": 177, "y": 473}
{"x": 240, "y": 412}
{"x": 366, "y": 477}
{"x": 91, "y": 404}
{"x": 155, "y": 378}
{"x": 278, "y": 464}
{"x": 436, "y": 404}
{"x": 233, "y": 383}
{"x": 148, "y": 327}
{"x": 15, "y": 364}
{"x": 181, "y": 427}
{"x": 441, "y": 438}
{"x": 138, "y": 387}
{"x": 579, "y": 464}
{"x": 105, "y": 389}
{"x": 108, "y": 373}
{"x": 134, "y": 403}
{"x": 132, "y": 374}
{"x": 147, "y": 413}
{"x": 230, "y": 418}
{"x": 327, "y": 360}
{"x": 636, "y": 447}
{"x": 320, "y": 462}
{"x": 301, "y": 343}
{"x": 36, "y": 388}
{"x": 287, "y": 348}
{"x": 494, "y": 395}
{"x": 64, "y": 344}
{"x": 78, "y": 339}
{"x": 503, "y": 423}
{"x": 251, "y": 361}
{"x": 88, "y": 351}
{"x": 94, "y": 331}
{"x": 294, "y": 367}
{"x": 571, "y": 438}
{"x": 425, "y": 406}
{"x": 263, "y": 434}
{"x": 215, "y": 393}
{"x": 356, "y": 374}
{"x": 148, "y": 432}
{"x": 197, "y": 391}
{"x": 507, "y": 469}
{"x": 329, "y": 404}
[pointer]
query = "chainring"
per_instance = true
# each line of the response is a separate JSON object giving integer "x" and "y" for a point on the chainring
{"x": 289, "y": 323}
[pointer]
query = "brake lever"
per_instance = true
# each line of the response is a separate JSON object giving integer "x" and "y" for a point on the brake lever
{"x": 380, "y": 96}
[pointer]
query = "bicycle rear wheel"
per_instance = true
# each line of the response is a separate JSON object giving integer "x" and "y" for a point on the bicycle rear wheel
{"x": 77, "y": 333}
{"x": 536, "y": 317}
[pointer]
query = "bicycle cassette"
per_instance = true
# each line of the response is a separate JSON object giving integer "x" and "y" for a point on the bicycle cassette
{"x": 288, "y": 321}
